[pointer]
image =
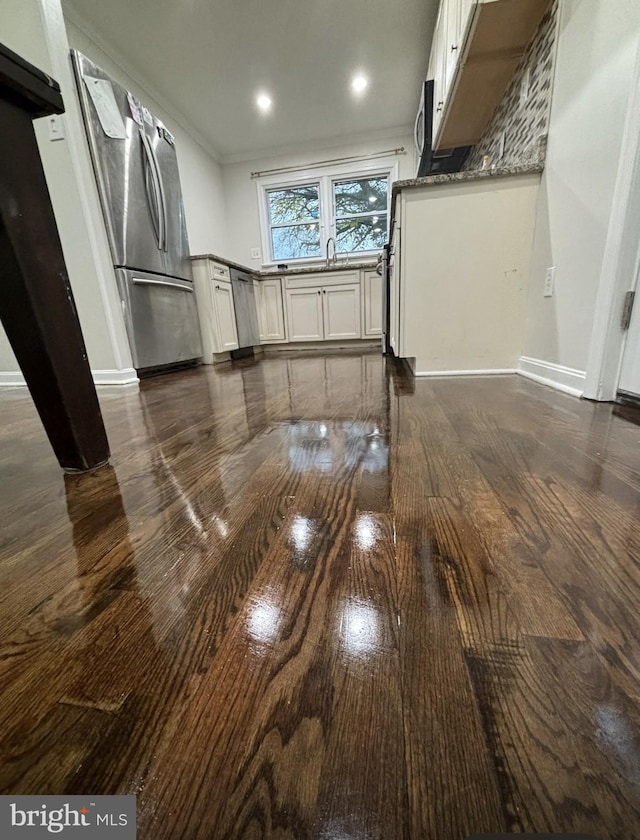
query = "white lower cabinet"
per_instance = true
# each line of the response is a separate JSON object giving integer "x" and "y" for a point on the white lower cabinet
{"x": 226, "y": 317}
{"x": 304, "y": 314}
{"x": 271, "y": 311}
{"x": 372, "y": 304}
{"x": 215, "y": 309}
{"x": 330, "y": 312}
{"x": 341, "y": 310}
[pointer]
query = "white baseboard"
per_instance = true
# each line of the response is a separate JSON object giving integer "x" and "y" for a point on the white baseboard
{"x": 9, "y": 379}
{"x": 128, "y": 376}
{"x": 419, "y": 374}
{"x": 326, "y": 346}
{"x": 565, "y": 379}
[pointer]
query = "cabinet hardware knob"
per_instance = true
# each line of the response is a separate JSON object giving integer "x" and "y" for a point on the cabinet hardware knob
{"x": 439, "y": 108}
{"x": 454, "y": 47}
{"x": 319, "y": 291}
{"x": 217, "y": 286}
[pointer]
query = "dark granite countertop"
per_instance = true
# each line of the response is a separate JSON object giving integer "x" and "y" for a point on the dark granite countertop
{"x": 471, "y": 175}
{"x": 225, "y": 261}
{"x": 530, "y": 168}
{"x": 320, "y": 268}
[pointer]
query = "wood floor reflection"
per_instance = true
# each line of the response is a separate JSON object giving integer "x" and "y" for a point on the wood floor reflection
{"x": 314, "y": 599}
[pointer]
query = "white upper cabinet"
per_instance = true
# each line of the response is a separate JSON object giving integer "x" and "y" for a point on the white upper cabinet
{"x": 438, "y": 68}
{"x": 452, "y": 14}
{"x": 465, "y": 15}
{"x": 476, "y": 49}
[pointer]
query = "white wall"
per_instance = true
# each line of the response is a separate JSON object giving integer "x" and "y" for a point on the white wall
{"x": 596, "y": 55}
{"x": 200, "y": 173}
{"x": 243, "y": 222}
{"x": 35, "y": 30}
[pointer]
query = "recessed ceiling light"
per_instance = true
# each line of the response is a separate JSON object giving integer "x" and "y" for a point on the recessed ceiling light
{"x": 359, "y": 83}
{"x": 264, "y": 102}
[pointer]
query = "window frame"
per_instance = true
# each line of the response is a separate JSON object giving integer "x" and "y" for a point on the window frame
{"x": 334, "y": 214}
{"x": 326, "y": 178}
{"x": 310, "y": 221}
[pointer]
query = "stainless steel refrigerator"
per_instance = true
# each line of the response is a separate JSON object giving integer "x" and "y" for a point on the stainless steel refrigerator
{"x": 134, "y": 159}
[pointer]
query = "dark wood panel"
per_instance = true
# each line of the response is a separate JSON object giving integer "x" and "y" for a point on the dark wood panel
{"x": 37, "y": 308}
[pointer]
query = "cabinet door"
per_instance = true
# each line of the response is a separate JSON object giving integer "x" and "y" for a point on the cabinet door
{"x": 438, "y": 65}
{"x": 452, "y": 47}
{"x": 341, "y": 306}
{"x": 304, "y": 314}
{"x": 467, "y": 9}
{"x": 225, "y": 317}
{"x": 372, "y": 291}
{"x": 203, "y": 285}
{"x": 271, "y": 311}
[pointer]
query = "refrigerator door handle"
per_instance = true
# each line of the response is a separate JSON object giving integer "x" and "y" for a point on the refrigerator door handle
{"x": 150, "y": 172}
{"x": 163, "y": 200}
{"x": 143, "y": 281}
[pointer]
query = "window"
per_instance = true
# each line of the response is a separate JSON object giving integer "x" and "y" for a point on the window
{"x": 299, "y": 216}
{"x": 294, "y": 214}
{"x": 360, "y": 214}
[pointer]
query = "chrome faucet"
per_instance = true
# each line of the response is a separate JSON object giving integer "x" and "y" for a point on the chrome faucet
{"x": 334, "y": 260}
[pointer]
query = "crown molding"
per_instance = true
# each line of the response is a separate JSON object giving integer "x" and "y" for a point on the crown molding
{"x": 78, "y": 20}
{"x": 306, "y": 148}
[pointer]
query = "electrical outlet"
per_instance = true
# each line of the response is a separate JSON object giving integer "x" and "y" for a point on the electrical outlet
{"x": 255, "y": 253}
{"x": 549, "y": 281}
{"x": 56, "y": 127}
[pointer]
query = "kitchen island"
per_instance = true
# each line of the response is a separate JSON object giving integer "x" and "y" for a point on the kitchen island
{"x": 459, "y": 269}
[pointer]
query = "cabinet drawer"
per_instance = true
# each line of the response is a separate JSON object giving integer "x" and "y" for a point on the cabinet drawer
{"x": 220, "y": 272}
{"x": 307, "y": 281}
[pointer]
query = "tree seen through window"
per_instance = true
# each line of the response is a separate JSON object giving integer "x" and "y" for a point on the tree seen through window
{"x": 358, "y": 218}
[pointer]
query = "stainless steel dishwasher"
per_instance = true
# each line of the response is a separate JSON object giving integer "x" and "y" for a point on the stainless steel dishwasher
{"x": 244, "y": 301}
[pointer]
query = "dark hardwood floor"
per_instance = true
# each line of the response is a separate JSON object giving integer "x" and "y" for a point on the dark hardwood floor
{"x": 314, "y": 599}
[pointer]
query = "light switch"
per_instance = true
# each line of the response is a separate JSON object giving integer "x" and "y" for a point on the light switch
{"x": 549, "y": 281}
{"x": 56, "y": 127}
{"x": 255, "y": 253}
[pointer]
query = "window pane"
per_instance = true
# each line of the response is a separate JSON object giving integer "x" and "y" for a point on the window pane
{"x": 361, "y": 196}
{"x": 295, "y": 241}
{"x": 365, "y": 234}
{"x": 296, "y": 204}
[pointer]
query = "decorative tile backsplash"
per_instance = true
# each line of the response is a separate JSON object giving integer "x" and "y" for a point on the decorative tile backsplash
{"x": 523, "y": 124}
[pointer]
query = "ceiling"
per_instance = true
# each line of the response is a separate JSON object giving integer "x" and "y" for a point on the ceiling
{"x": 209, "y": 59}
